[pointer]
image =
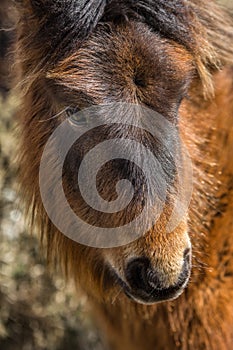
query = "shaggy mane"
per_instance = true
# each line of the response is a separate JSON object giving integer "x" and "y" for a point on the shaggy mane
{"x": 203, "y": 27}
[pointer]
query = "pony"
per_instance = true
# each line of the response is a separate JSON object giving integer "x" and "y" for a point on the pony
{"x": 176, "y": 58}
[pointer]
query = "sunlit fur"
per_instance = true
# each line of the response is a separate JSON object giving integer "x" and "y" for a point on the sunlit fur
{"x": 55, "y": 48}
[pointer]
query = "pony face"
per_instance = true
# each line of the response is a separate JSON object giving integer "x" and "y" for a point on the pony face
{"x": 143, "y": 54}
{"x": 127, "y": 63}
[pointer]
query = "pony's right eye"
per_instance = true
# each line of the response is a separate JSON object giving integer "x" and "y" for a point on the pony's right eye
{"x": 76, "y": 117}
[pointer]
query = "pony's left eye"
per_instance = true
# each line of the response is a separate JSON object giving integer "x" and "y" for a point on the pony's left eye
{"x": 76, "y": 117}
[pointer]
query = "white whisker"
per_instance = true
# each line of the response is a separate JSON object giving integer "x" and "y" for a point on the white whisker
{"x": 54, "y": 116}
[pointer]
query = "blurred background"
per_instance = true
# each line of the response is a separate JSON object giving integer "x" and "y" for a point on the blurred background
{"x": 38, "y": 309}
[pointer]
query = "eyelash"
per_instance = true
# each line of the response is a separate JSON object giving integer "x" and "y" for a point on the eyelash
{"x": 71, "y": 111}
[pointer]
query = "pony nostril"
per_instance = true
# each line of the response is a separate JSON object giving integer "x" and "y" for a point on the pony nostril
{"x": 136, "y": 273}
{"x": 140, "y": 275}
{"x": 187, "y": 253}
